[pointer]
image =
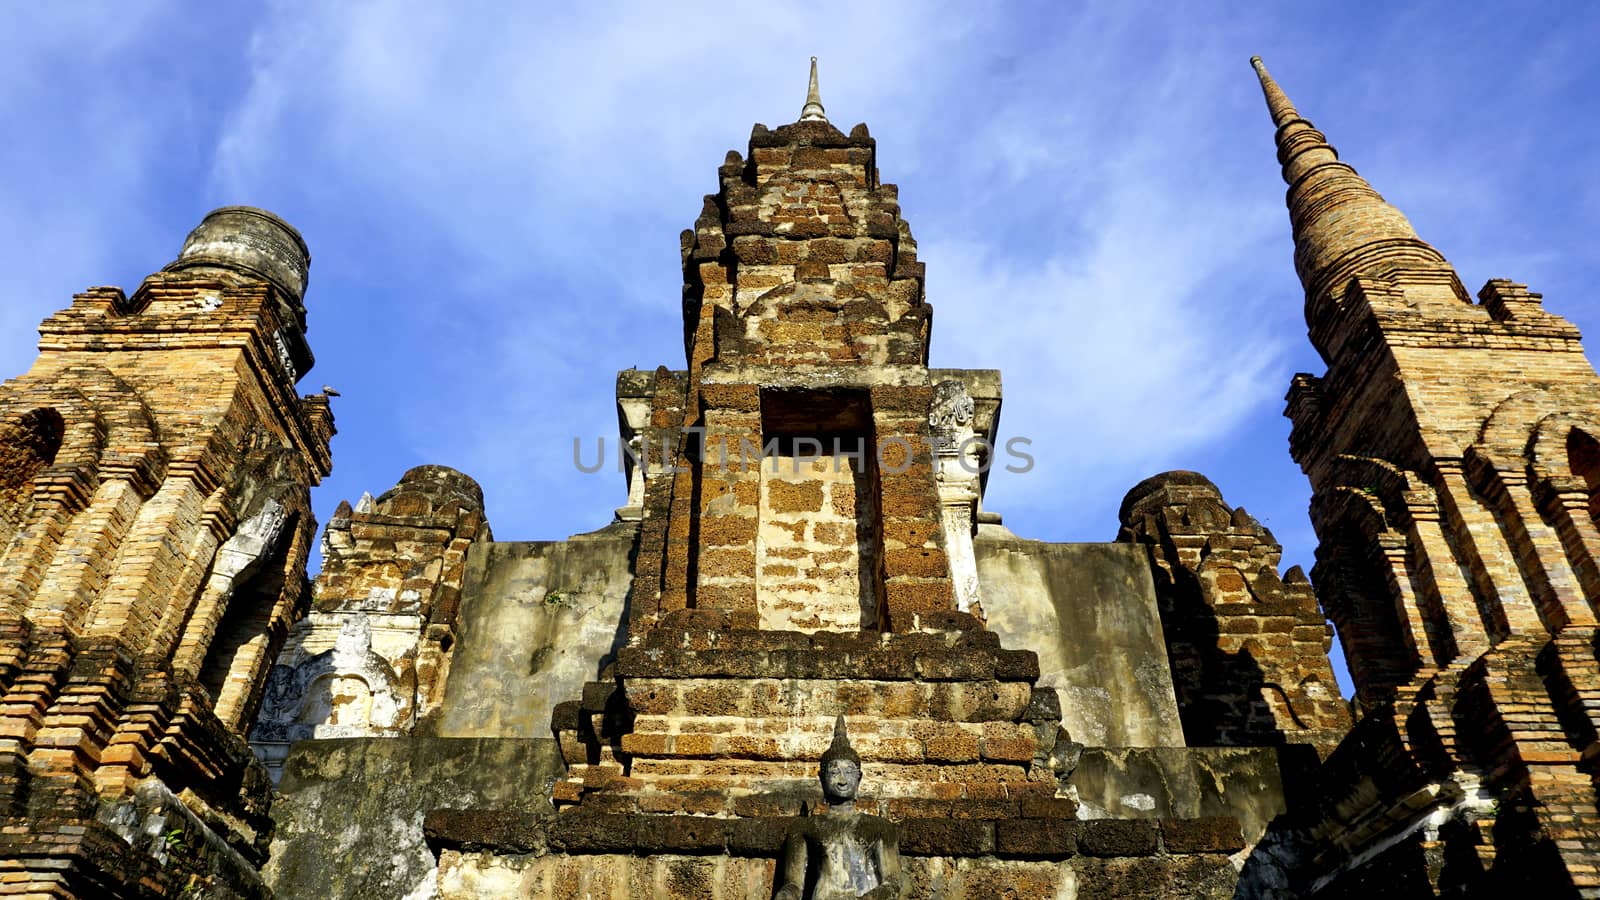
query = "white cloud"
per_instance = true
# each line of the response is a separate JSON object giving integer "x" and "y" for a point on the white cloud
{"x": 1116, "y": 359}
{"x": 545, "y": 162}
{"x": 524, "y": 120}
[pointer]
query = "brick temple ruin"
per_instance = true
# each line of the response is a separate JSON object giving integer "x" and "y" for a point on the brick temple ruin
{"x": 639, "y": 711}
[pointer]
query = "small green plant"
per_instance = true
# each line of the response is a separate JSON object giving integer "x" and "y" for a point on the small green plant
{"x": 555, "y": 598}
{"x": 174, "y": 841}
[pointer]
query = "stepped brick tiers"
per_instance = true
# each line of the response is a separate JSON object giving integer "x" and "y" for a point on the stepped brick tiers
{"x": 804, "y": 554}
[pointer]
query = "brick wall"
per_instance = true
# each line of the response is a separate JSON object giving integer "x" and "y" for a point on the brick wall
{"x": 816, "y": 560}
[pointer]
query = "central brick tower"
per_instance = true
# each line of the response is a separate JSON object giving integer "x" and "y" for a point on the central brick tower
{"x": 795, "y": 557}
{"x": 807, "y": 495}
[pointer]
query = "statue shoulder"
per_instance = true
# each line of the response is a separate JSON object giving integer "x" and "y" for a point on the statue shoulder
{"x": 801, "y": 827}
{"x": 877, "y": 827}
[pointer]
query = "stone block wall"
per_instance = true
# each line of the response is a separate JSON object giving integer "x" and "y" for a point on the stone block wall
{"x": 816, "y": 564}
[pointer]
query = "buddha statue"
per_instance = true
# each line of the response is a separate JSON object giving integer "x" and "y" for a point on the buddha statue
{"x": 840, "y": 854}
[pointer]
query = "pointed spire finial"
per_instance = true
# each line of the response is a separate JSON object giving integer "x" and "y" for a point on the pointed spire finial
{"x": 813, "y": 111}
{"x": 1277, "y": 101}
{"x": 1342, "y": 227}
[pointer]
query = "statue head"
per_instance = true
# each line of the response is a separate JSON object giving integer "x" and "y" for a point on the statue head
{"x": 841, "y": 767}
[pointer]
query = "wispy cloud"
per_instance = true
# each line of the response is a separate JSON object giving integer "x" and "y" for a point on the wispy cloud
{"x": 513, "y": 118}
{"x": 529, "y": 174}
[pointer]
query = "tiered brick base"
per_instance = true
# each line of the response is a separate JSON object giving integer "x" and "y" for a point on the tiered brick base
{"x": 580, "y": 854}
{"x": 732, "y": 722}
{"x": 687, "y": 769}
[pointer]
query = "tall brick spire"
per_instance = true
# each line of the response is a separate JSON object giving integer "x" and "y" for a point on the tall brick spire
{"x": 1342, "y": 227}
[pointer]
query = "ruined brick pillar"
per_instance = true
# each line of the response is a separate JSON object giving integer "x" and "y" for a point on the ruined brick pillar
{"x": 1248, "y": 648}
{"x": 155, "y": 469}
{"x": 373, "y": 657}
{"x": 1450, "y": 449}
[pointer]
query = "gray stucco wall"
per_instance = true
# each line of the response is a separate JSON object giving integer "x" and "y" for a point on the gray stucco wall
{"x": 1185, "y": 782}
{"x": 349, "y": 812}
{"x": 538, "y": 619}
{"x": 1089, "y": 611}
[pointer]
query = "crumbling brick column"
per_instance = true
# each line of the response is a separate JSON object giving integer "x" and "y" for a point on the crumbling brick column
{"x": 140, "y": 608}
{"x": 373, "y": 657}
{"x": 1248, "y": 649}
{"x": 725, "y": 527}
{"x": 916, "y": 571}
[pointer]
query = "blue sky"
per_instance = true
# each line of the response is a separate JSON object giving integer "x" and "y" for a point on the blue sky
{"x": 492, "y": 195}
